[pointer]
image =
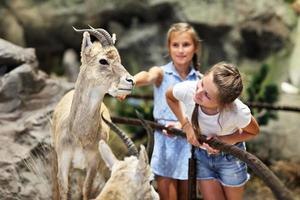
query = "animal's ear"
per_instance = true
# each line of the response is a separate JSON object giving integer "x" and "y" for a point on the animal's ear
{"x": 143, "y": 157}
{"x": 143, "y": 166}
{"x": 86, "y": 41}
{"x": 86, "y": 44}
{"x": 107, "y": 155}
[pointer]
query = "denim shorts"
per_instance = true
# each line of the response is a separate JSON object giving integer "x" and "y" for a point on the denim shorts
{"x": 225, "y": 168}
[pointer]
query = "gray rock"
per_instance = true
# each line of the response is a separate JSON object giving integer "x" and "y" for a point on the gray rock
{"x": 12, "y": 55}
{"x": 27, "y": 98}
{"x": 71, "y": 65}
{"x": 231, "y": 30}
{"x": 294, "y": 69}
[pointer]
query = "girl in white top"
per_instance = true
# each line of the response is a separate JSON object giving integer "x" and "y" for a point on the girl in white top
{"x": 220, "y": 114}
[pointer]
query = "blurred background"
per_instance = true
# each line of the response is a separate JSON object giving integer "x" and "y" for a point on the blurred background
{"x": 40, "y": 58}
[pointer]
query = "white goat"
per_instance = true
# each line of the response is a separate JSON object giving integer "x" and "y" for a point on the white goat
{"x": 130, "y": 178}
{"x": 77, "y": 125}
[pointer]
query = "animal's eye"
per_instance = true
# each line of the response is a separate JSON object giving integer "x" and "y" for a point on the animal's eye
{"x": 103, "y": 62}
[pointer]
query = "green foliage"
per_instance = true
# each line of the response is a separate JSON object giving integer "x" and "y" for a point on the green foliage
{"x": 128, "y": 107}
{"x": 289, "y": 1}
{"x": 260, "y": 91}
{"x": 255, "y": 84}
{"x": 57, "y": 67}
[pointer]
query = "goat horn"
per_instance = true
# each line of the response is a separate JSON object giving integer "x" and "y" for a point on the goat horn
{"x": 150, "y": 136}
{"x": 107, "y": 36}
{"x": 102, "y": 35}
{"x": 128, "y": 142}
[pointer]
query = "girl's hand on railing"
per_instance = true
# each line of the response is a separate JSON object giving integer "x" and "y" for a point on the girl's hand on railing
{"x": 171, "y": 125}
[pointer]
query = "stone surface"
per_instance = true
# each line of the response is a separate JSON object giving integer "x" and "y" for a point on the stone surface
{"x": 294, "y": 71}
{"x": 231, "y": 30}
{"x": 27, "y": 98}
{"x": 279, "y": 140}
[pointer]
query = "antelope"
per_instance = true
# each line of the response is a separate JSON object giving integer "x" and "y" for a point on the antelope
{"x": 77, "y": 126}
{"x": 130, "y": 178}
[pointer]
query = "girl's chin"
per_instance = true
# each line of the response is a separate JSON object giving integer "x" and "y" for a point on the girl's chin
{"x": 181, "y": 62}
{"x": 196, "y": 101}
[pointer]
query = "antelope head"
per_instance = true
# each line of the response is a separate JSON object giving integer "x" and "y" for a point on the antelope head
{"x": 101, "y": 63}
{"x": 130, "y": 176}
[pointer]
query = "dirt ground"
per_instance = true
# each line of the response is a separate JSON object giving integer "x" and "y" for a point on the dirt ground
{"x": 257, "y": 190}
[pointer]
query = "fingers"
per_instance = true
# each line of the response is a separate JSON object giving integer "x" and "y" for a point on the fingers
{"x": 209, "y": 149}
{"x": 165, "y": 132}
{"x": 171, "y": 125}
{"x": 190, "y": 135}
{"x": 192, "y": 139}
{"x": 121, "y": 97}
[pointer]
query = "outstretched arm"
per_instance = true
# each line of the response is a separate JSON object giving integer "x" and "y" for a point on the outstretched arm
{"x": 144, "y": 78}
{"x": 153, "y": 76}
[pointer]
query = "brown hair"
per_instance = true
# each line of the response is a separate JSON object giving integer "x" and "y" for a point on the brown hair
{"x": 185, "y": 27}
{"x": 228, "y": 80}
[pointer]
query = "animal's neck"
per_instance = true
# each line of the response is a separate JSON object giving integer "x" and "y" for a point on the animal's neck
{"x": 85, "y": 109}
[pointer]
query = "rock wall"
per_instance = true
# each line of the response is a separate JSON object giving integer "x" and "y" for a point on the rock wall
{"x": 27, "y": 98}
{"x": 252, "y": 30}
{"x": 294, "y": 72}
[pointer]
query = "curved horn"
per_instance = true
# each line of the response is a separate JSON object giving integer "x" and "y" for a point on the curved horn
{"x": 150, "y": 136}
{"x": 128, "y": 142}
{"x": 107, "y": 36}
{"x": 101, "y": 34}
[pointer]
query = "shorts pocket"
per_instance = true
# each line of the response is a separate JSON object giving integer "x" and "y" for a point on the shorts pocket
{"x": 230, "y": 157}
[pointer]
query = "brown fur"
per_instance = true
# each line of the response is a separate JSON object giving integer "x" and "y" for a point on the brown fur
{"x": 130, "y": 178}
{"x": 77, "y": 125}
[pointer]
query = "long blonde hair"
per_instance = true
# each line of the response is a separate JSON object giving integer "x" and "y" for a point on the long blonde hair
{"x": 185, "y": 27}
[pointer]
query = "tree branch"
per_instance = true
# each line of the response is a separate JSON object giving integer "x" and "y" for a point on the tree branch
{"x": 258, "y": 167}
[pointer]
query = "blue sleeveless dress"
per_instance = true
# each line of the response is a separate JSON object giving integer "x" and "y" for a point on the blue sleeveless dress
{"x": 170, "y": 154}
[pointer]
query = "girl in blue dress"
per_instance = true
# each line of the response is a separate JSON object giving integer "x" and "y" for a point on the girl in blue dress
{"x": 171, "y": 153}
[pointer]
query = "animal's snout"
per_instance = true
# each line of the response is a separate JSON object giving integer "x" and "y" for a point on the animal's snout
{"x": 130, "y": 80}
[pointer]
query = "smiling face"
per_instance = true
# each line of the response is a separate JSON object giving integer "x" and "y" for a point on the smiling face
{"x": 207, "y": 94}
{"x": 181, "y": 48}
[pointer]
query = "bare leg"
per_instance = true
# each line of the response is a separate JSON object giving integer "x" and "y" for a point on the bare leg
{"x": 234, "y": 193}
{"x": 211, "y": 190}
{"x": 182, "y": 189}
{"x": 166, "y": 188}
